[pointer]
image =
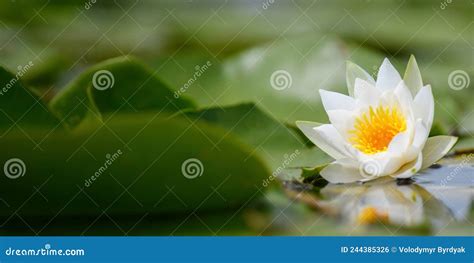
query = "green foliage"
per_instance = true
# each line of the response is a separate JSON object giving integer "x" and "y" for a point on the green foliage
{"x": 282, "y": 77}
{"x": 121, "y": 84}
{"x": 142, "y": 153}
{"x": 223, "y": 89}
{"x": 19, "y": 106}
{"x": 280, "y": 146}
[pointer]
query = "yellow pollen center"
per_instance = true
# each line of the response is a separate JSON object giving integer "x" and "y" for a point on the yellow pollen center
{"x": 374, "y": 130}
{"x": 370, "y": 215}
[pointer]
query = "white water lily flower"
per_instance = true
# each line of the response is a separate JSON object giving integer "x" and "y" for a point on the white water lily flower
{"x": 381, "y": 129}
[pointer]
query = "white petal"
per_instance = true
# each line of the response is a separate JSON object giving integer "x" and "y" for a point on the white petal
{"x": 336, "y": 101}
{"x": 338, "y": 173}
{"x": 325, "y": 136}
{"x": 348, "y": 162}
{"x": 412, "y": 76}
{"x": 404, "y": 98}
{"x": 387, "y": 77}
{"x": 393, "y": 164}
{"x": 366, "y": 93}
{"x": 423, "y": 106}
{"x": 410, "y": 154}
{"x": 421, "y": 135}
{"x": 354, "y": 72}
{"x": 404, "y": 147}
{"x": 381, "y": 164}
{"x": 342, "y": 120}
{"x": 435, "y": 148}
{"x": 405, "y": 101}
{"x": 409, "y": 169}
{"x": 388, "y": 97}
{"x": 400, "y": 142}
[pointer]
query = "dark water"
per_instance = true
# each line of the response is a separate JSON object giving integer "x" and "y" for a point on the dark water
{"x": 436, "y": 196}
{"x": 435, "y": 199}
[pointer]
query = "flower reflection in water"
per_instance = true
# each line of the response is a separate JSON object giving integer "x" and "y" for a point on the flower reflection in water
{"x": 384, "y": 202}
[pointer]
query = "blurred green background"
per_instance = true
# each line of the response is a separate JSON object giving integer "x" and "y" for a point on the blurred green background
{"x": 313, "y": 38}
{"x": 243, "y": 43}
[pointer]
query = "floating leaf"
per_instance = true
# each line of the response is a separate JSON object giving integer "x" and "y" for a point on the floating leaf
{"x": 132, "y": 164}
{"x": 282, "y": 78}
{"x": 280, "y": 146}
{"x": 119, "y": 84}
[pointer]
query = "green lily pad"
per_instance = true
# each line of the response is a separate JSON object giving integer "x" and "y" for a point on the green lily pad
{"x": 281, "y": 147}
{"x": 282, "y": 77}
{"x": 133, "y": 164}
{"x": 120, "y": 84}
